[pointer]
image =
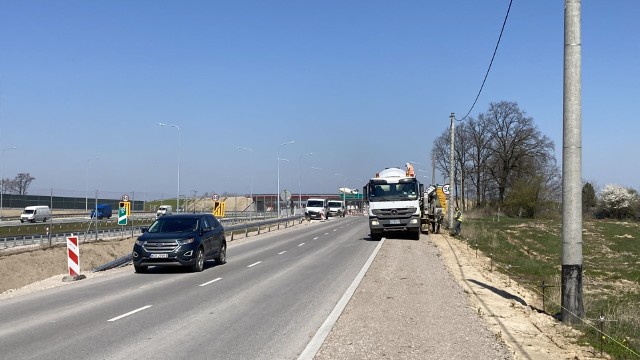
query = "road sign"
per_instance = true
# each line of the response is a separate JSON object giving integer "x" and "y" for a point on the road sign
{"x": 445, "y": 189}
{"x": 215, "y": 197}
{"x": 122, "y": 215}
{"x": 125, "y": 197}
{"x": 285, "y": 195}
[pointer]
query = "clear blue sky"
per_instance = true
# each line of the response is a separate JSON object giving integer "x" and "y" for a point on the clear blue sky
{"x": 363, "y": 85}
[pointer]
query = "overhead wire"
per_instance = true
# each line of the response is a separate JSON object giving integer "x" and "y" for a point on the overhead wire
{"x": 495, "y": 50}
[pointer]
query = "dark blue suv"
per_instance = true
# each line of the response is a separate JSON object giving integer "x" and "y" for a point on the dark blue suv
{"x": 180, "y": 240}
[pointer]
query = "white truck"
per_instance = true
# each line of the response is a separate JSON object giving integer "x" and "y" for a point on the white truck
{"x": 164, "y": 210}
{"x": 395, "y": 203}
{"x": 336, "y": 208}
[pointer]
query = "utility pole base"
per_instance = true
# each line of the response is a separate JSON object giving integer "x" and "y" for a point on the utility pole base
{"x": 572, "y": 308}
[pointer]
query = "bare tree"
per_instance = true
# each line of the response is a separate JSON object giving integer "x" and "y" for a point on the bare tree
{"x": 515, "y": 140}
{"x": 20, "y": 184}
{"x": 479, "y": 136}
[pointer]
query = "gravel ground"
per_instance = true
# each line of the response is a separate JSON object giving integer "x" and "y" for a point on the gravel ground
{"x": 408, "y": 306}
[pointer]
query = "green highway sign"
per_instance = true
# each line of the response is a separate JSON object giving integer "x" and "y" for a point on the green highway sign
{"x": 351, "y": 196}
{"x": 122, "y": 215}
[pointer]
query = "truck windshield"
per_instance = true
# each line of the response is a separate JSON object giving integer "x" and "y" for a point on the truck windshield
{"x": 335, "y": 204}
{"x": 380, "y": 190}
{"x": 315, "y": 203}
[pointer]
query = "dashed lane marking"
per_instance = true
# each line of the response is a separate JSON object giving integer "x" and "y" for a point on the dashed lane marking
{"x": 129, "y": 313}
{"x": 254, "y": 264}
{"x": 281, "y": 252}
{"x": 210, "y": 282}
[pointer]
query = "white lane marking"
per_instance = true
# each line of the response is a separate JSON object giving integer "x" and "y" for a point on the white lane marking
{"x": 313, "y": 346}
{"x": 281, "y": 252}
{"x": 254, "y": 264}
{"x": 129, "y": 313}
{"x": 210, "y": 282}
{"x": 300, "y": 244}
{"x": 315, "y": 238}
{"x": 335, "y": 229}
{"x": 326, "y": 233}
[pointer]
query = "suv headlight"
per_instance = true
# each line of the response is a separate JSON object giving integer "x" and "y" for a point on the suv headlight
{"x": 186, "y": 241}
{"x": 140, "y": 242}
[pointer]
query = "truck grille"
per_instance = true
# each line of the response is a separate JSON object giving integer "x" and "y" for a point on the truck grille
{"x": 394, "y": 213}
{"x": 166, "y": 246}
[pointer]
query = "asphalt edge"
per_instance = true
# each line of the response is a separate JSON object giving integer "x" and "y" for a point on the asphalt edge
{"x": 317, "y": 340}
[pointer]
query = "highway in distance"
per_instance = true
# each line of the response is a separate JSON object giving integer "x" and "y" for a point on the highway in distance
{"x": 267, "y": 302}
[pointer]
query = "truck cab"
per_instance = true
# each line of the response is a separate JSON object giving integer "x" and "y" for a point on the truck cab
{"x": 394, "y": 203}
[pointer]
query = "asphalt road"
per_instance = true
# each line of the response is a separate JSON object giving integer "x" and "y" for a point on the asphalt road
{"x": 265, "y": 303}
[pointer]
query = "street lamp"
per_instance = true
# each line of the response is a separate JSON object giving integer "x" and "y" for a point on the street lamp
{"x": 86, "y": 194}
{"x": 300, "y": 179}
{"x": 178, "y": 195}
{"x": 2, "y": 176}
{"x": 278, "y": 159}
{"x": 321, "y": 186}
{"x": 250, "y": 180}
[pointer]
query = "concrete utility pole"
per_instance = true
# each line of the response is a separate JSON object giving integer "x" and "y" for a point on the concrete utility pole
{"x": 451, "y": 169}
{"x": 572, "y": 306}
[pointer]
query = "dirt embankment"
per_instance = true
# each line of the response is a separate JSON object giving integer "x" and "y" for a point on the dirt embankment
{"x": 22, "y": 267}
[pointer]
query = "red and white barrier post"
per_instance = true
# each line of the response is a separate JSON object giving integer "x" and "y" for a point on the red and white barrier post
{"x": 73, "y": 258}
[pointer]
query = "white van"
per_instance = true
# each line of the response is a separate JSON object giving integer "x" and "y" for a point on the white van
{"x": 164, "y": 210}
{"x": 35, "y": 214}
{"x": 316, "y": 209}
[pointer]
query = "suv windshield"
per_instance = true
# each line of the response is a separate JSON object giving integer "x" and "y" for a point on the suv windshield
{"x": 315, "y": 203}
{"x": 172, "y": 225}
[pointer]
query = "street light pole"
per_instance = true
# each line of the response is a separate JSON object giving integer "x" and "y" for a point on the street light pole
{"x": 86, "y": 194}
{"x": 300, "y": 179}
{"x": 178, "y": 195}
{"x": 250, "y": 180}
{"x": 278, "y": 159}
{"x": 2, "y": 176}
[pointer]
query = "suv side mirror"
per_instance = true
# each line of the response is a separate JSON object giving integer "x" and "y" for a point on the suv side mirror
{"x": 144, "y": 229}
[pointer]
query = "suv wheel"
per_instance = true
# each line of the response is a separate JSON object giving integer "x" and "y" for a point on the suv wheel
{"x": 199, "y": 265}
{"x": 139, "y": 269}
{"x": 222, "y": 256}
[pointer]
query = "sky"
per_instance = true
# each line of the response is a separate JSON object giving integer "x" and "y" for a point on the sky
{"x": 362, "y": 85}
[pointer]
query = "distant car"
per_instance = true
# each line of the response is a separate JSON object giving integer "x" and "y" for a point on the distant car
{"x": 180, "y": 240}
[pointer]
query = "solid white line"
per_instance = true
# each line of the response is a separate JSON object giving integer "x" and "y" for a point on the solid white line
{"x": 314, "y": 345}
{"x": 254, "y": 264}
{"x": 281, "y": 252}
{"x": 301, "y": 244}
{"x": 210, "y": 282}
{"x": 129, "y": 313}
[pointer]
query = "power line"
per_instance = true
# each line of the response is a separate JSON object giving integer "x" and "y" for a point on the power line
{"x": 504, "y": 23}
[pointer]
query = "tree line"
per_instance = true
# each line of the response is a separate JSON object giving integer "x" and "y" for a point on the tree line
{"x": 503, "y": 161}
{"x": 18, "y": 185}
